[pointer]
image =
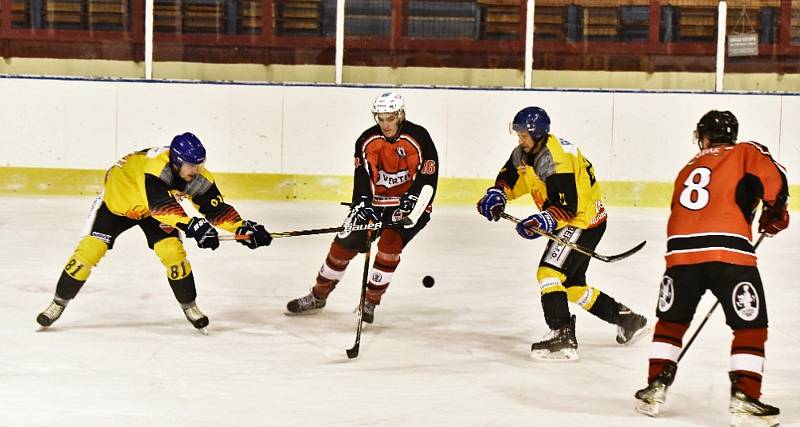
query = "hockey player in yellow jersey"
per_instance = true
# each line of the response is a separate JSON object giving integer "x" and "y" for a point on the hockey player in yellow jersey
{"x": 563, "y": 186}
{"x": 142, "y": 189}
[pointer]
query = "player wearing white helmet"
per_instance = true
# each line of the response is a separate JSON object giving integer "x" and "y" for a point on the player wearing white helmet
{"x": 389, "y": 110}
{"x": 395, "y": 177}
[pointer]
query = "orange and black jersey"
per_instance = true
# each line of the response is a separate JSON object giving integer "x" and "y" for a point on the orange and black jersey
{"x": 714, "y": 203}
{"x": 385, "y": 170}
{"x": 143, "y": 184}
{"x": 559, "y": 179}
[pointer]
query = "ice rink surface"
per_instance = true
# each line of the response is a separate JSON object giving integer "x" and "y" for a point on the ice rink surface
{"x": 453, "y": 355}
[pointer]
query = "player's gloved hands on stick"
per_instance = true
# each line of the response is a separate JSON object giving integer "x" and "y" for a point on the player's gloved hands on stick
{"x": 259, "y": 236}
{"x": 493, "y": 203}
{"x": 364, "y": 213}
{"x": 407, "y": 203}
{"x": 201, "y": 230}
{"x": 542, "y": 220}
{"x": 773, "y": 219}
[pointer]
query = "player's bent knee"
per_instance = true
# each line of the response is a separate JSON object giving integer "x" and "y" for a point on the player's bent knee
{"x": 585, "y": 296}
{"x": 87, "y": 255}
{"x": 173, "y": 256}
{"x": 550, "y": 280}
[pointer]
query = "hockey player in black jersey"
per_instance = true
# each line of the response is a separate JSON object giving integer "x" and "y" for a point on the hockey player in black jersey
{"x": 563, "y": 186}
{"x": 395, "y": 177}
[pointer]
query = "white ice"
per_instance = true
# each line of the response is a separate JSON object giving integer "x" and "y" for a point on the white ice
{"x": 453, "y": 355}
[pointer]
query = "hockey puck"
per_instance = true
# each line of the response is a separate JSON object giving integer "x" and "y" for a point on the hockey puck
{"x": 428, "y": 281}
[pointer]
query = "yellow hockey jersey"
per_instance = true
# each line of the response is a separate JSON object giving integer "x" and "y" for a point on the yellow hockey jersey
{"x": 143, "y": 184}
{"x": 560, "y": 180}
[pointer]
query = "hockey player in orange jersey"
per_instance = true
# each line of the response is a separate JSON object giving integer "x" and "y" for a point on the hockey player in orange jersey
{"x": 395, "y": 178}
{"x": 709, "y": 248}
{"x": 141, "y": 190}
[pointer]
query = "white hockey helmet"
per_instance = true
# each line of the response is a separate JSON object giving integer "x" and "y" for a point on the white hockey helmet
{"x": 389, "y": 102}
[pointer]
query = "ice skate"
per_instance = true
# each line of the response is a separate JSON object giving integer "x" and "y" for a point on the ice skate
{"x": 196, "y": 317}
{"x": 49, "y": 315}
{"x": 652, "y": 397}
{"x": 631, "y": 326}
{"x": 305, "y": 305}
{"x": 748, "y": 412}
{"x": 369, "y": 312}
{"x": 558, "y": 345}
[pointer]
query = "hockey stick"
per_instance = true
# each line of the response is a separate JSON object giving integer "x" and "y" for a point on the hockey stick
{"x": 352, "y": 353}
{"x": 577, "y": 247}
{"x": 710, "y": 312}
{"x": 280, "y": 234}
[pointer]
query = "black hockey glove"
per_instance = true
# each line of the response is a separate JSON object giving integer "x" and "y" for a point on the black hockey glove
{"x": 363, "y": 213}
{"x": 407, "y": 203}
{"x": 259, "y": 236}
{"x": 201, "y": 230}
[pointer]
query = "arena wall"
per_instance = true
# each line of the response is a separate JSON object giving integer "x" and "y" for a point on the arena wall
{"x": 273, "y": 141}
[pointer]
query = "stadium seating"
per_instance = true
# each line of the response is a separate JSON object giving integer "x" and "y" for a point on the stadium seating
{"x": 109, "y": 15}
{"x": 447, "y": 19}
{"x": 298, "y": 17}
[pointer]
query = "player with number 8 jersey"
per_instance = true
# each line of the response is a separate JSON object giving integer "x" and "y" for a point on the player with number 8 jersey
{"x": 709, "y": 248}
{"x": 714, "y": 203}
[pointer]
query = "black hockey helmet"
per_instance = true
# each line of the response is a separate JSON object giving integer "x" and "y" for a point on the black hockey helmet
{"x": 718, "y": 126}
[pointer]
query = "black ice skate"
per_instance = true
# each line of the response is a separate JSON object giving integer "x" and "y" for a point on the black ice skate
{"x": 631, "y": 326}
{"x": 196, "y": 317}
{"x": 369, "y": 312}
{"x": 655, "y": 394}
{"x": 305, "y": 305}
{"x": 746, "y": 411}
{"x": 50, "y": 315}
{"x": 558, "y": 345}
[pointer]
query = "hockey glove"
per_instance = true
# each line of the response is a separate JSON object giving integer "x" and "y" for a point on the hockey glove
{"x": 407, "y": 203}
{"x": 493, "y": 203}
{"x": 201, "y": 230}
{"x": 259, "y": 236}
{"x": 363, "y": 213}
{"x": 773, "y": 220}
{"x": 542, "y": 220}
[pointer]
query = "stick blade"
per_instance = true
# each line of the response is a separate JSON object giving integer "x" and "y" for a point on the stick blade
{"x": 618, "y": 257}
{"x": 352, "y": 353}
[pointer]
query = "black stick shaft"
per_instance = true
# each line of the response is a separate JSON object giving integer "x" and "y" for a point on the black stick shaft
{"x": 352, "y": 353}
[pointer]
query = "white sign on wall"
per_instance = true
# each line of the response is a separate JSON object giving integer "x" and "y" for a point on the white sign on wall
{"x": 743, "y": 44}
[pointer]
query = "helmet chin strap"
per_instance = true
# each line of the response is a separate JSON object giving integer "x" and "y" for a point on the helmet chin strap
{"x": 538, "y": 145}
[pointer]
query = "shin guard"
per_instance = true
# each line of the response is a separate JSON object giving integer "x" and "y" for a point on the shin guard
{"x": 79, "y": 266}
{"x": 554, "y": 297}
{"x": 179, "y": 271}
{"x": 381, "y": 275}
{"x": 747, "y": 360}
{"x": 332, "y": 270}
{"x": 666, "y": 347}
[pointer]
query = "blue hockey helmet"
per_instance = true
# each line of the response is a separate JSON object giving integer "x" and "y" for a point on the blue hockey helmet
{"x": 186, "y": 148}
{"x": 718, "y": 126}
{"x": 534, "y": 120}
